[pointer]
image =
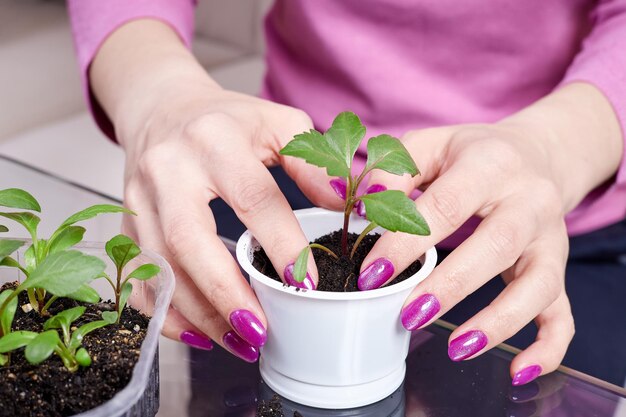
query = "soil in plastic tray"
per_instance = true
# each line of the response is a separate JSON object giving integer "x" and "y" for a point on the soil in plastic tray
{"x": 49, "y": 389}
{"x": 336, "y": 275}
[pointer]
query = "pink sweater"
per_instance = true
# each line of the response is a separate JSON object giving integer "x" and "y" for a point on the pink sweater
{"x": 405, "y": 65}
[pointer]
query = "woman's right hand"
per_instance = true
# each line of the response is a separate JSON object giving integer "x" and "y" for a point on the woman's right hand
{"x": 187, "y": 142}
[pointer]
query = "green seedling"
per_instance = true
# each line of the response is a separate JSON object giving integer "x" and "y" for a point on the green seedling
{"x": 122, "y": 249}
{"x": 49, "y": 266}
{"x": 40, "y": 346}
{"x": 334, "y": 151}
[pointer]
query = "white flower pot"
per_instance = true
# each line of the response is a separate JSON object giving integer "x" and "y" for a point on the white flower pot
{"x": 327, "y": 349}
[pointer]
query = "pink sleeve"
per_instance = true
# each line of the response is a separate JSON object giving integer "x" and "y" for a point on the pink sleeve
{"x": 602, "y": 62}
{"x": 94, "y": 20}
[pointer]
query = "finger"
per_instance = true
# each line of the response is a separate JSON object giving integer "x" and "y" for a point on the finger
{"x": 259, "y": 204}
{"x": 445, "y": 205}
{"x": 312, "y": 180}
{"x": 555, "y": 332}
{"x": 192, "y": 319}
{"x": 494, "y": 246}
{"x": 536, "y": 286}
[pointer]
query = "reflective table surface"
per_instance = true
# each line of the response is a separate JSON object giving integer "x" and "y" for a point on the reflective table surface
{"x": 212, "y": 384}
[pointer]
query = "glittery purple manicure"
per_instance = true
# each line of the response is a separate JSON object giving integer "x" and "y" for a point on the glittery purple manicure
{"x": 339, "y": 186}
{"x": 359, "y": 207}
{"x": 466, "y": 345}
{"x": 420, "y": 311}
{"x": 196, "y": 340}
{"x": 239, "y": 347}
{"x": 307, "y": 283}
{"x": 376, "y": 274}
{"x": 249, "y": 327}
{"x": 526, "y": 375}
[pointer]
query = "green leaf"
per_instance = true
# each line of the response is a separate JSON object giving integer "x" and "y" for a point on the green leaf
{"x": 4, "y": 359}
{"x": 345, "y": 135}
{"x": 15, "y": 340}
{"x": 20, "y": 199}
{"x": 80, "y": 333}
{"x": 82, "y": 357}
{"x": 86, "y": 294}
{"x": 299, "y": 269}
{"x": 315, "y": 149}
{"x": 62, "y": 273}
{"x": 8, "y": 246}
{"x": 3, "y": 228}
{"x": 64, "y": 319}
{"x": 127, "y": 289}
{"x": 42, "y": 347}
{"x": 109, "y": 316}
{"x": 389, "y": 154}
{"x": 394, "y": 211}
{"x": 6, "y": 316}
{"x": 92, "y": 212}
{"x": 145, "y": 272}
{"x": 69, "y": 237}
{"x": 26, "y": 219}
{"x": 122, "y": 249}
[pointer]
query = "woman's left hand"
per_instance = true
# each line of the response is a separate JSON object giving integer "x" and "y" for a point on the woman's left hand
{"x": 521, "y": 176}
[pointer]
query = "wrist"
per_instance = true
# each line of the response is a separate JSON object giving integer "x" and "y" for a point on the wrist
{"x": 580, "y": 136}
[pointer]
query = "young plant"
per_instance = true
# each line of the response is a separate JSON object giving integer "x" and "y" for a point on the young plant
{"x": 49, "y": 265}
{"x": 40, "y": 346}
{"x": 334, "y": 151}
{"x": 122, "y": 249}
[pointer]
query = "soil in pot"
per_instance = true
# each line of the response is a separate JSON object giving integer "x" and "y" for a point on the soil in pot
{"x": 336, "y": 275}
{"x": 49, "y": 389}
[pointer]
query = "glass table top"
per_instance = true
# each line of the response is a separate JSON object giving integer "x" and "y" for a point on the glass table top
{"x": 198, "y": 383}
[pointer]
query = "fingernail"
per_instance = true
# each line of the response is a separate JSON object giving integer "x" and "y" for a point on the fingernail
{"x": 524, "y": 393}
{"x": 375, "y": 188}
{"x": 420, "y": 311}
{"x": 239, "y": 347}
{"x": 359, "y": 206}
{"x": 249, "y": 327}
{"x": 376, "y": 274}
{"x": 196, "y": 340}
{"x": 467, "y": 345}
{"x": 526, "y": 375}
{"x": 307, "y": 283}
{"x": 339, "y": 186}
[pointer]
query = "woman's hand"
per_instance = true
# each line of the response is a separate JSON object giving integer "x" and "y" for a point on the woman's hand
{"x": 188, "y": 142}
{"x": 521, "y": 176}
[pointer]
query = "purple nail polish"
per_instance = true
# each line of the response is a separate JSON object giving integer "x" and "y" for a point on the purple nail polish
{"x": 420, "y": 311}
{"x": 196, "y": 340}
{"x": 339, "y": 186}
{"x": 249, "y": 327}
{"x": 375, "y": 188}
{"x": 307, "y": 283}
{"x": 376, "y": 274}
{"x": 239, "y": 347}
{"x": 467, "y": 345}
{"x": 526, "y": 375}
{"x": 359, "y": 207}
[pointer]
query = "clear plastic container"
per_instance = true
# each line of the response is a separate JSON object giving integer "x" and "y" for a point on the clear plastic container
{"x": 140, "y": 398}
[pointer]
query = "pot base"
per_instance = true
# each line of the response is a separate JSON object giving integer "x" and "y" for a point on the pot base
{"x": 332, "y": 397}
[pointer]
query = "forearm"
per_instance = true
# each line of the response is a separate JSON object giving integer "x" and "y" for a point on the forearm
{"x": 583, "y": 137}
{"x": 139, "y": 66}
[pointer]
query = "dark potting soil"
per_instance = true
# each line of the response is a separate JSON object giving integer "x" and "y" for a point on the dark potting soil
{"x": 273, "y": 408}
{"x": 336, "y": 275}
{"x": 49, "y": 389}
